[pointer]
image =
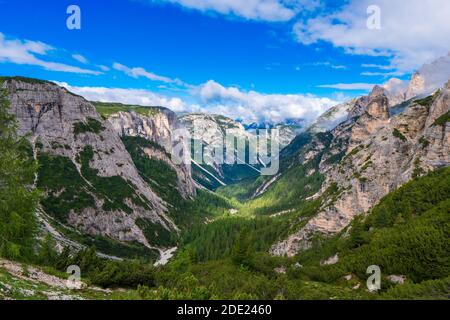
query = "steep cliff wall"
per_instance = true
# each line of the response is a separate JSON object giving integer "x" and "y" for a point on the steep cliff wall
{"x": 89, "y": 178}
{"x": 382, "y": 152}
{"x": 158, "y": 125}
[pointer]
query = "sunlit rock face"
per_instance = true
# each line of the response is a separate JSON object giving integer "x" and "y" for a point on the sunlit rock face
{"x": 158, "y": 126}
{"x": 63, "y": 125}
{"x": 384, "y": 150}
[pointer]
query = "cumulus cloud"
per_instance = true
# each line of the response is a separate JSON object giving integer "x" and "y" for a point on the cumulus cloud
{"x": 436, "y": 73}
{"x": 266, "y": 10}
{"x": 396, "y": 86}
{"x": 27, "y": 52}
{"x": 212, "y": 97}
{"x": 253, "y": 106}
{"x": 130, "y": 96}
{"x": 412, "y": 33}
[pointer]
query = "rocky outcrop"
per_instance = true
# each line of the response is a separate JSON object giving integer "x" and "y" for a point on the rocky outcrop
{"x": 374, "y": 117}
{"x": 160, "y": 128}
{"x": 286, "y": 133}
{"x": 384, "y": 151}
{"x": 63, "y": 125}
{"x": 397, "y": 279}
{"x": 429, "y": 77}
{"x": 416, "y": 86}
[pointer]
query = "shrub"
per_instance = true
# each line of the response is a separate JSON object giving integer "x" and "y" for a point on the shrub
{"x": 91, "y": 125}
{"x": 399, "y": 135}
{"x": 442, "y": 120}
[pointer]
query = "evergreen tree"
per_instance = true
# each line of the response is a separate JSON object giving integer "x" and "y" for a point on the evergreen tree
{"x": 17, "y": 202}
{"x": 241, "y": 251}
{"x": 47, "y": 254}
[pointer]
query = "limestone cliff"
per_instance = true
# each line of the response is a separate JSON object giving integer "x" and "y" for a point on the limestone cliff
{"x": 157, "y": 125}
{"x": 94, "y": 186}
{"x": 383, "y": 150}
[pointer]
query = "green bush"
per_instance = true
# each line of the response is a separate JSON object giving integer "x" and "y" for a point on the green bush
{"x": 399, "y": 135}
{"x": 91, "y": 125}
{"x": 66, "y": 189}
{"x": 113, "y": 190}
{"x": 107, "y": 273}
{"x": 442, "y": 120}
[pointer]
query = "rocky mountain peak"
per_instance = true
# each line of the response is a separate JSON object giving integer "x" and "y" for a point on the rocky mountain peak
{"x": 416, "y": 86}
{"x": 377, "y": 91}
{"x": 429, "y": 77}
{"x": 383, "y": 152}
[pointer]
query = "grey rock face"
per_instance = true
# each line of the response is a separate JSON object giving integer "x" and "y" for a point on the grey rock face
{"x": 48, "y": 113}
{"x": 159, "y": 128}
{"x": 383, "y": 153}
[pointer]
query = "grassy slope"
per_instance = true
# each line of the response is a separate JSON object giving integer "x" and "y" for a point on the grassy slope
{"x": 105, "y": 109}
{"x": 406, "y": 233}
{"x": 297, "y": 181}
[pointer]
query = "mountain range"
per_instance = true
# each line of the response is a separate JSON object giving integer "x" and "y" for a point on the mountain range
{"x": 108, "y": 180}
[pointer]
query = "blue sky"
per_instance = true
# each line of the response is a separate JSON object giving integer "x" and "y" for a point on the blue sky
{"x": 221, "y": 55}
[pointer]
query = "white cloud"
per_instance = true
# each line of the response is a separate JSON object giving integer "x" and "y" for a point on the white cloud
{"x": 349, "y": 86}
{"x": 383, "y": 70}
{"x": 80, "y": 58}
{"x": 396, "y": 86}
{"x": 377, "y": 66}
{"x": 27, "y": 52}
{"x": 412, "y": 32}
{"x": 130, "y": 96}
{"x": 141, "y": 72}
{"x": 338, "y": 67}
{"x": 103, "y": 68}
{"x": 214, "y": 98}
{"x": 253, "y": 106}
{"x": 382, "y": 74}
{"x": 436, "y": 73}
{"x": 267, "y": 10}
{"x": 328, "y": 64}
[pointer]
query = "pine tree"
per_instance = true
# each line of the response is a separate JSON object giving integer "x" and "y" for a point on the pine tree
{"x": 47, "y": 254}
{"x": 241, "y": 251}
{"x": 17, "y": 202}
